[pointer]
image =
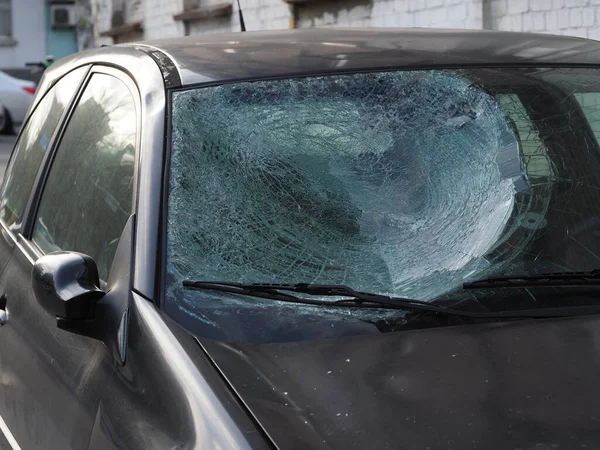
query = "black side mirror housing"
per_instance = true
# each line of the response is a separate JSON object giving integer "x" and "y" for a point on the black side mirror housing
{"x": 66, "y": 285}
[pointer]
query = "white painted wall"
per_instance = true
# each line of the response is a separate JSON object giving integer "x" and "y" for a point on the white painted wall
{"x": 101, "y": 12}
{"x": 29, "y": 33}
{"x": 134, "y": 10}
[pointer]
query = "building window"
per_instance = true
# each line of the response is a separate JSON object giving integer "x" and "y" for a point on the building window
{"x": 5, "y": 19}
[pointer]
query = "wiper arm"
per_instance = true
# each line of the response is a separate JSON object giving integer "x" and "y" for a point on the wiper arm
{"x": 367, "y": 300}
{"x": 590, "y": 278}
{"x": 273, "y": 291}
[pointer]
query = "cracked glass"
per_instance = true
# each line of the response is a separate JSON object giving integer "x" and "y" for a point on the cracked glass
{"x": 402, "y": 183}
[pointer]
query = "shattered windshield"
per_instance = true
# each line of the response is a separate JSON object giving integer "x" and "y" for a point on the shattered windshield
{"x": 404, "y": 183}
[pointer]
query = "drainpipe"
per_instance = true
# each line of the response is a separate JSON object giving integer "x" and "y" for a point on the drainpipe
{"x": 294, "y": 17}
{"x": 94, "y": 13}
{"x": 85, "y": 29}
{"x": 486, "y": 15}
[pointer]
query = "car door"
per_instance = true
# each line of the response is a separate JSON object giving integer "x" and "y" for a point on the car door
{"x": 52, "y": 380}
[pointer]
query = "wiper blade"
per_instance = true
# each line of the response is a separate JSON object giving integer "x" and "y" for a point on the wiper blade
{"x": 274, "y": 291}
{"x": 590, "y": 278}
{"x": 367, "y": 300}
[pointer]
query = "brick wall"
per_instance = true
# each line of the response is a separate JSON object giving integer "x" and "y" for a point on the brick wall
{"x": 392, "y": 13}
{"x": 158, "y": 19}
{"x": 571, "y": 17}
{"x": 263, "y": 15}
{"x": 258, "y": 15}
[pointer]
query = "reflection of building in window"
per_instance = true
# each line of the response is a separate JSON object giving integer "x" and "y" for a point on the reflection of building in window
{"x": 534, "y": 152}
{"x": 91, "y": 169}
{"x": 590, "y": 105}
{"x": 5, "y": 18}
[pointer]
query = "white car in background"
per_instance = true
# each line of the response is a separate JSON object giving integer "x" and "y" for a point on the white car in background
{"x": 16, "y": 96}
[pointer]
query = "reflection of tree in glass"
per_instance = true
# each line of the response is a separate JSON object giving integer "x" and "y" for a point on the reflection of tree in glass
{"x": 33, "y": 144}
{"x": 93, "y": 169}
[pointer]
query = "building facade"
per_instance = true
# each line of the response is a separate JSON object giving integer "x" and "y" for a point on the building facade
{"x": 30, "y": 30}
{"x": 125, "y": 20}
{"x": 61, "y": 38}
{"x": 22, "y": 32}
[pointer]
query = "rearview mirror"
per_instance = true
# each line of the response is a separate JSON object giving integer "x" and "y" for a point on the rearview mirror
{"x": 66, "y": 285}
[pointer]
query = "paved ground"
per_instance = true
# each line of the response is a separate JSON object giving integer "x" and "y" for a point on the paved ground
{"x": 6, "y": 146}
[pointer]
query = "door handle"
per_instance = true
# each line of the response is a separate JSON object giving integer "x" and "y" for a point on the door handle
{"x": 3, "y": 310}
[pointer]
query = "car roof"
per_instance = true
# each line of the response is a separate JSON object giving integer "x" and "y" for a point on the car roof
{"x": 252, "y": 55}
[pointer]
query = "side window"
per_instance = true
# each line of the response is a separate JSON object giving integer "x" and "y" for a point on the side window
{"x": 29, "y": 151}
{"x": 88, "y": 194}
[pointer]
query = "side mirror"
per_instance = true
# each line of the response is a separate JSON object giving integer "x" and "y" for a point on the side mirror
{"x": 66, "y": 285}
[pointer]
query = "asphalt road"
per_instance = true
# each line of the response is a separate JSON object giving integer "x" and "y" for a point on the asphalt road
{"x": 6, "y": 146}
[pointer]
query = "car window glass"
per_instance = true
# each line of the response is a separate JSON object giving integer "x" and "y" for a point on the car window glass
{"x": 32, "y": 145}
{"x": 87, "y": 198}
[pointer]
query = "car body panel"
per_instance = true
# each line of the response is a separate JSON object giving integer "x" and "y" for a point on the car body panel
{"x": 526, "y": 384}
{"x": 168, "y": 395}
{"x": 47, "y": 358}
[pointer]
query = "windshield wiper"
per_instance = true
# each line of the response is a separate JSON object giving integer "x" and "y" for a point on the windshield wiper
{"x": 367, "y": 300}
{"x": 591, "y": 278}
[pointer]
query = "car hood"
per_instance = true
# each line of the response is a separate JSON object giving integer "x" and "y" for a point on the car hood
{"x": 523, "y": 384}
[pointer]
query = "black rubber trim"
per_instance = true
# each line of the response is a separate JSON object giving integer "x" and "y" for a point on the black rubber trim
{"x": 167, "y": 66}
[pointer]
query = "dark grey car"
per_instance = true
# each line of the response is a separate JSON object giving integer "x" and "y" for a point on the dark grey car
{"x": 306, "y": 239}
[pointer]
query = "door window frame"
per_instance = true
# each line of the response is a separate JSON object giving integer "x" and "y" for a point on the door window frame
{"x": 24, "y": 241}
{"x": 51, "y": 143}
